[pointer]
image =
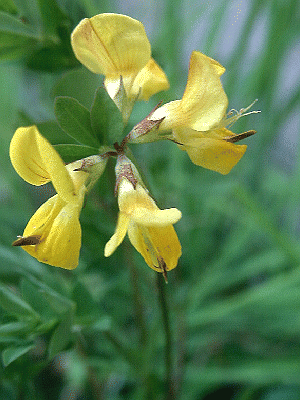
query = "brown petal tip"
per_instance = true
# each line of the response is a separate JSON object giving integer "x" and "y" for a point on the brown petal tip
{"x": 241, "y": 136}
{"x": 27, "y": 241}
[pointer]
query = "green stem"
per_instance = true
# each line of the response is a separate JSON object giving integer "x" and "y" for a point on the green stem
{"x": 168, "y": 335}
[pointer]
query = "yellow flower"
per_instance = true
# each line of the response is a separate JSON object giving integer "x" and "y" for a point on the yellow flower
{"x": 150, "y": 229}
{"x": 54, "y": 230}
{"x": 204, "y": 102}
{"x": 198, "y": 122}
{"x": 117, "y": 46}
{"x": 212, "y": 149}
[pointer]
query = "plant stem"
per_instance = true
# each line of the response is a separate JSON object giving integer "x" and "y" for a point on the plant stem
{"x": 162, "y": 295}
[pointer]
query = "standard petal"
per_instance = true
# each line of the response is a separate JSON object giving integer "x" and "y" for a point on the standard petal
{"x": 150, "y": 80}
{"x": 25, "y": 156}
{"x": 215, "y": 154}
{"x": 118, "y": 237}
{"x": 217, "y": 66}
{"x": 204, "y": 101}
{"x": 159, "y": 218}
{"x": 111, "y": 44}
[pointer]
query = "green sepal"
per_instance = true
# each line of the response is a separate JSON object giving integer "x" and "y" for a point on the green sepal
{"x": 106, "y": 119}
{"x": 75, "y": 120}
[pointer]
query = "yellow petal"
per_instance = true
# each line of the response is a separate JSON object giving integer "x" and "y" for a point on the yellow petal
{"x": 118, "y": 237}
{"x": 111, "y": 44}
{"x": 158, "y": 218}
{"x": 186, "y": 135}
{"x": 25, "y": 156}
{"x": 57, "y": 170}
{"x": 150, "y": 80}
{"x": 215, "y": 154}
{"x": 40, "y": 223}
{"x": 78, "y": 177}
{"x": 156, "y": 245}
{"x": 58, "y": 225}
{"x": 217, "y": 66}
{"x": 62, "y": 246}
{"x": 172, "y": 116}
{"x": 130, "y": 198}
{"x": 204, "y": 101}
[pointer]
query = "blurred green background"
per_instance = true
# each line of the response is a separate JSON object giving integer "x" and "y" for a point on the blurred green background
{"x": 234, "y": 300}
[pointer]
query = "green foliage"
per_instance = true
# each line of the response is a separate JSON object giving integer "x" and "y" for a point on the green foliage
{"x": 233, "y": 301}
{"x": 106, "y": 119}
{"x": 75, "y": 120}
{"x": 37, "y": 30}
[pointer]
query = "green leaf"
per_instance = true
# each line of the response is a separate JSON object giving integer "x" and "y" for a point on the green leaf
{"x": 52, "y": 16}
{"x": 61, "y": 336}
{"x": 17, "y": 39}
{"x": 8, "y": 6}
{"x": 74, "y": 119}
{"x": 53, "y": 132}
{"x": 13, "y": 304}
{"x": 12, "y": 353}
{"x": 53, "y": 57}
{"x": 14, "y": 328}
{"x": 80, "y": 84}
{"x": 11, "y": 24}
{"x": 86, "y": 306}
{"x": 59, "y": 303}
{"x": 73, "y": 152}
{"x": 106, "y": 118}
{"x": 37, "y": 300}
{"x": 14, "y": 46}
{"x": 29, "y": 10}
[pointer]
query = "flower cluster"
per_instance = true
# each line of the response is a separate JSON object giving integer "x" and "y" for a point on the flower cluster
{"x": 117, "y": 47}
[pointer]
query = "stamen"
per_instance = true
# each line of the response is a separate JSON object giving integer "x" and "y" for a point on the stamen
{"x": 238, "y": 114}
